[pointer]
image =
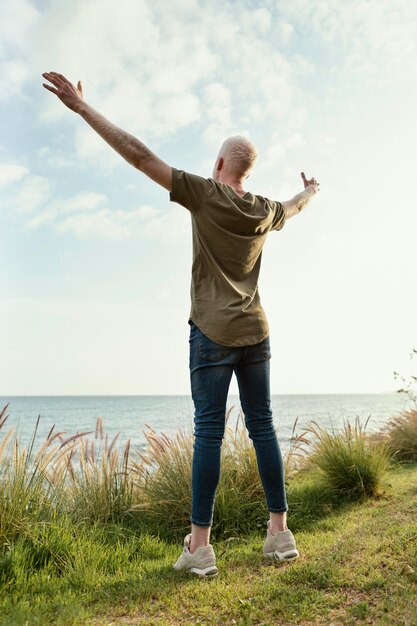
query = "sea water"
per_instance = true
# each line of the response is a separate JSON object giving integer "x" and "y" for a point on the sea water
{"x": 130, "y": 415}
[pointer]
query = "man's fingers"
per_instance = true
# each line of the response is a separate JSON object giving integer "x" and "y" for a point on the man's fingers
{"x": 53, "y": 79}
{"x": 50, "y": 88}
{"x": 64, "y": 80}
{"x": 61, "y": 76}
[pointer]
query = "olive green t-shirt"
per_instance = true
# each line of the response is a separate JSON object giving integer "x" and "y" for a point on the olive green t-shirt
{"x": 228, "y": 233}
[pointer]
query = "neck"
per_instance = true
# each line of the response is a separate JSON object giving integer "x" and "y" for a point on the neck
{"x": 233, "y": 181}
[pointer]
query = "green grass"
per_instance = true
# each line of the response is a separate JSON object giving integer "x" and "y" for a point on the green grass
{"x": 90, "y": 481}
{"x": 358, "y": 564}
{"x": 89, "y": 533}
{"x": 401, "y": 435}
{"x": 349, "y": 464}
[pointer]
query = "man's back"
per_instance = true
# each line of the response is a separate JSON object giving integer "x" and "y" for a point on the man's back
{"x": 229, "y": 232}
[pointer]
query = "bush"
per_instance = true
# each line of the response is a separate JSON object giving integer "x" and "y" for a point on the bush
{"x": 401, "y": 435}
{"x": 350, "y": 463}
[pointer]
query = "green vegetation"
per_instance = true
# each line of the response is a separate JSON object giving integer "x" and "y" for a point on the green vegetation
{"x": 350, "y": 464}
{"x": 401, "y": 435}
{"x": 88, "y": 532}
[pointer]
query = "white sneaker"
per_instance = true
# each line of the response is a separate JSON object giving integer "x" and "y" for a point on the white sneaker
{"x": 202, "y": 562}
{"x": 280, "y": 546}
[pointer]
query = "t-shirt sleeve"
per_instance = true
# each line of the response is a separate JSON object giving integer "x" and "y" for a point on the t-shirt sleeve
{"x": 279, "y": 218}
{"x": 189, "y": 190}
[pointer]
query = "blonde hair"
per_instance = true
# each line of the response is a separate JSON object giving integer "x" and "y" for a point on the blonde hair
{"x": 239, "y": 154}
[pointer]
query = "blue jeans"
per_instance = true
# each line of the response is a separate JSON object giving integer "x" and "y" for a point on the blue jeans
{"x": 211, "y": 369}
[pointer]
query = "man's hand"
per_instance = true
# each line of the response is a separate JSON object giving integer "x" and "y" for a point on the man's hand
{"x": 310, "y": 183}
{"x": 128, "y": 146}
{"x": 294, "y": 206}
{"x": 71, "y": 96}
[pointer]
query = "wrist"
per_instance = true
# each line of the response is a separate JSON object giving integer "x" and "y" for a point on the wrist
{"x": 81, "y": 107}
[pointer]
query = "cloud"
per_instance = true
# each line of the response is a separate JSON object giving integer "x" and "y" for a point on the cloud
{"x": 29, "y": 196}
{"x": 18, "y": 21}
{"x": 83, "y": 202}
{"x": 87, "y": 214}
{"x": 55, "y": 158}
{"x": 218, "y": 112}
{"x": 163, "y": 74}
{"x": 14, "y": 74}
{"x": 142, "y": 223}
{"x": 147, "y": 83}
{"x": 204, "y": 68}
{"x": 376, "y": 39}
{"x": 11, "y": 172}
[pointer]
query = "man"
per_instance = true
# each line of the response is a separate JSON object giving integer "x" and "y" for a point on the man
{"x": 228, "y": 327}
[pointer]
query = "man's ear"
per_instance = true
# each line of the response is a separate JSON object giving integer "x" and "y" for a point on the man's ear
{"x": 220, "y": 164}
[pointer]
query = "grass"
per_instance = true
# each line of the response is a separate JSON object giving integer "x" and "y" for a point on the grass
{"x": 357, "y": 565}
{"x": 401, "y": 435}
{"x": 349, "y": 463}
{"x": 89, "y": 532}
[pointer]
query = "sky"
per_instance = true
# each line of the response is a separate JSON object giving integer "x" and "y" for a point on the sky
{"x": 95, "y": 261}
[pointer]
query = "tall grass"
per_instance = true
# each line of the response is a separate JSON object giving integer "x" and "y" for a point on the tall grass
{"x": 27, "y": 490}
{"x": 164, "y": 482}
{"x": 349, "y": 463}
{"x": 162, "y": 477}
{"x": 401, "y": 435}
{"x": 87, "y": 479}
{"x": 66, "y": 477}
{"x": 101, "y": 487}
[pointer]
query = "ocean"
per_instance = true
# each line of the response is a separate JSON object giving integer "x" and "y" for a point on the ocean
{"x": 129, "y": 415}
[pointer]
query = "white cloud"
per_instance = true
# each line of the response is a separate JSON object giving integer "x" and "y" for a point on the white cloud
{"x": 218, "y": 112}
{"x": 11, "y": 172}
{"x": 157, "y": 77}
{"x": 285, "y": 31}
{"x": 30, "y": 196}
{"x": 86, "y": 214}
{"x": 18, "y": 21}
{"x": 14, "y": 74}
{"x": 294, "y": 141}
{"x": 56, "y": 158}
{"x": 258, "y": 20}
{"x": 147, "y": 85}
{"x": 376, "y": 39}
{"x": 142, "y": 223}
{"x": 85, "y": 202}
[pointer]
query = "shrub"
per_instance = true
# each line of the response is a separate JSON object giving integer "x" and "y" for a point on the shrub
{"x": 349, "y": 463}
{"x": 401, "y": 435}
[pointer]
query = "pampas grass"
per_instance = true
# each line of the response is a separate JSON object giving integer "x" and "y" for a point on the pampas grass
{"x": 349, "y": 463}
{"x": 88, "y": 479}
{"x": 401, "y": 435}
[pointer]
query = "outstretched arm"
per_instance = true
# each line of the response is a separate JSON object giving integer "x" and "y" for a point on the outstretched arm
{"x": 130, "y": 148}
{"x": 294, "y": 206}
